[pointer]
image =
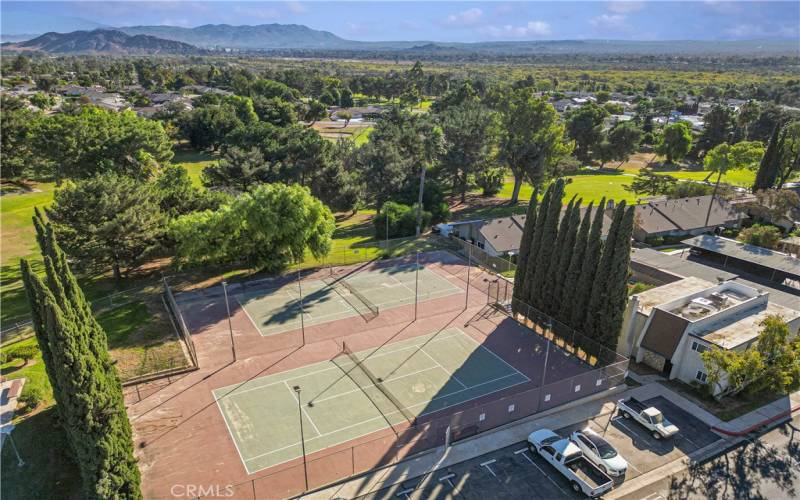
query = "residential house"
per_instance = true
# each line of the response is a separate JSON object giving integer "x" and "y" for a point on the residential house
{"x": 667, "y": 328}
{"x": 683, "y": 217}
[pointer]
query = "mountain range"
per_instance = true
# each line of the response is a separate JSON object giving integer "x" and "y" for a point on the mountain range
{"x": 104, "y": 41}
{"x": 294, "y": 37}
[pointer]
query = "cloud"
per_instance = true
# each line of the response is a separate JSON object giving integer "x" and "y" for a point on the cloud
{"x": 609, "y": 22}
{"x": 467, "y": 17}
{"x": 530, "y": 30}
{"x": 625, "y": 6}
{"x": 297, "y": 7}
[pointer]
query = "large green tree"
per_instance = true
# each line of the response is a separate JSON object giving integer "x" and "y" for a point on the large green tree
{"x": 544, "y": 254}
{"x": 523, "y": 289}
{"x": 267, "y": 228}
{"x": 471, "y": 132}
{"x": 585, "y": 127}
{"x": 531, "y": 138}
{"x": 521, "y": 274}
{"x": 623, "y": 141}
{"x": 94, "y": 141}
{"x": 108, "y": 221}
{"x": 591, "y": 257}
{"x": 16, "y": 125}
{"x": 573, "y": 274}
{"x": 717, "y": 127}
{"x": 85, "y": 385}
{"x": 559, "y": 264}
{"x": 676, "y": 141}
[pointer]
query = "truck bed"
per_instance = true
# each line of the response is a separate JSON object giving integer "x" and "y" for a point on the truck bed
{"x": 588, "y": 472}
{"x": 635, "y": 405}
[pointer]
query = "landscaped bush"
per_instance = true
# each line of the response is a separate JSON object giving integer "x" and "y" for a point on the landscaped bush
{"x": 761, "y": 235}
{"x": 491, "y": 181}
{"x": 402, "y": 220}
{"x": 31, "y": 397}
{"x": 23, "y": 352}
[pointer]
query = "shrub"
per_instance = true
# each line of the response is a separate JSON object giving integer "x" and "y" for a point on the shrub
{"x": 491, "y": 181}
{"x": 23, "y": 352}
{"x": 761, "y": 235}
{"x": 402, "y": 220}
{"x": 31, "y": 397}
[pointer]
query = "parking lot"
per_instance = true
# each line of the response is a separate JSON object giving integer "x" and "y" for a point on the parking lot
{"x": 517, "y": 472}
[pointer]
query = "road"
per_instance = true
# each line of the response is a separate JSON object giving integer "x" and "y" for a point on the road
{"x": 764, "y": 468}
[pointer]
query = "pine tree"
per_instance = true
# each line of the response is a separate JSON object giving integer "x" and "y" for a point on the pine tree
{"x": 554, "y": 279}
{"x": 561, "y": 267}
{"x": 609, "y": 322}
{"x": 536, "y": 242}
{"x": 572, "y": 275}
{"x": 583, "y": 291}
{"x": 524, "y": 248}
{"x": 595, "y": 318}
{"x": 87, "y": 391}
{"x": 768, "y": 170}
{"x": 549, "y": 234}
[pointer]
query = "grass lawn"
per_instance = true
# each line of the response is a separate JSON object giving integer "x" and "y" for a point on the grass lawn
{"x": 742, "y": 178}
{"x": 18, "y": 241}
{"x": 194, "y": 162}
{"x": 590, "y": 187}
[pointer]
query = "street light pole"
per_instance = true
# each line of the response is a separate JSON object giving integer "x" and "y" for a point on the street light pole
{"x": 302, "y": 436}
{"x": 302, "y": 312}
{"x": 230, "y": 324}
{"x": 416, "y": 288}
{"x": 469, "y": 265}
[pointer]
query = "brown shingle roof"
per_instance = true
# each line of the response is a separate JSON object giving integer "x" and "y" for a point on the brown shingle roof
{"x": 684, "y": 214}
{"x": 664, "y": 332}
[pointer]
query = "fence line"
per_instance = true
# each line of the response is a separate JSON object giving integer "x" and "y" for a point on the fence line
{"x": 177, "y": 318}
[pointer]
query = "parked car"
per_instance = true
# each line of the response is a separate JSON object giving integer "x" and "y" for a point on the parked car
{"x": 650, "y": 417}
{"x": 600, "y": 452}
{"x": 567, "y": 458}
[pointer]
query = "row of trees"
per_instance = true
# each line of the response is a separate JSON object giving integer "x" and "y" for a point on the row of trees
{"x": 566, "y": 271}
{"x": 86, "y": 388}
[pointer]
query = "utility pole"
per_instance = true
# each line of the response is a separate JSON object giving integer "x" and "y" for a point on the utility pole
{"x": 419, "y": 199}
{"x": 302, "y": 436}
{"x": 230, "y": 325}
{"x": 302, "y": 312}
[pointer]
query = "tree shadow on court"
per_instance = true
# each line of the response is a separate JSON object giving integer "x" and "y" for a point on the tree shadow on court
{"x": 738, "y": 474}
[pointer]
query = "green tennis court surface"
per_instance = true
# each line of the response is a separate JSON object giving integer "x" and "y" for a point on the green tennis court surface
{"x": 424, "y": 374}
{"x": 277, "y": 310}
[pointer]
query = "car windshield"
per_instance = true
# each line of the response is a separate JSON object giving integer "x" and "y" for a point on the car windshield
{"x": 604, "y": 449}
{"x": 656, "y": 419}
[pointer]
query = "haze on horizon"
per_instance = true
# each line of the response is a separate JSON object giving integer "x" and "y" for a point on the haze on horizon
{"x": 435, "y": 21}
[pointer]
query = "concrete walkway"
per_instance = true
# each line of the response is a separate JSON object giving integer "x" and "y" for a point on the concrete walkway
{"x": 9, "y": 392}
{"x": 572, "y": 413}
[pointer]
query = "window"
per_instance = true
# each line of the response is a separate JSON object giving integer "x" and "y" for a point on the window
{"x": 696, "y": 346}
{"x": 701, "y": 376}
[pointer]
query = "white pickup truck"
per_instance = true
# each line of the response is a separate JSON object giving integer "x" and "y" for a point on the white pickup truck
{"x": 568, "y": 459}
{"x": 650, "y": 417}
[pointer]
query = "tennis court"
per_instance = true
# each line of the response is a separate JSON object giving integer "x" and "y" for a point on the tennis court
{"x": 358, "y": 393}
{"x": 278, "y": 310}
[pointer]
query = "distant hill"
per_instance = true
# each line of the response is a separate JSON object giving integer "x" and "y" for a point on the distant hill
{"x": 263, "y": 36}
{"x": 102, "y": 41}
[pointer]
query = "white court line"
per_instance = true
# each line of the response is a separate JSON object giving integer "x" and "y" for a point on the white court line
{"x": 385, "y": 353}
{"x": 335, "y": 396}
{"x": 443, "y": 368}
{"x": 302, "y": 408}
{"x": 382, "y": 417}
{"x": 493, "y": 354}
{"x": 228, "y": 426}
{"x": 247, "y": 313}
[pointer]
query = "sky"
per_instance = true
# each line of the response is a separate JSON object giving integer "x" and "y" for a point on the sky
{"x": 435, "y": 21}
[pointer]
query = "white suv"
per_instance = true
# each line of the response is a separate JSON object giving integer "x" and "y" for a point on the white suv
{"x": 600, "y": 452}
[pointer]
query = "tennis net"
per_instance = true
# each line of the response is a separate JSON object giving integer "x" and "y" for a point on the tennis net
{"x": 359, "y": 367}
{"x": 366, "y": 309}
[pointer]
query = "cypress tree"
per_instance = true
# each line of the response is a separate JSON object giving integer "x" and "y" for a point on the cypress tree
{"x": 560, "y": 268}
{"x": 768, "y": 170}
{"x": 524, "y": 248}
{"x": 87, "y": 391}
{"x": 536, "y": 242}
{"x": 591, "y": 257}
{"x": 609, "y": 322}
{"x": 572, "y": 275}
{"x": 553, "y": 280}
{"x": 544, "y": 255}
{"x": 595, "y": 314}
